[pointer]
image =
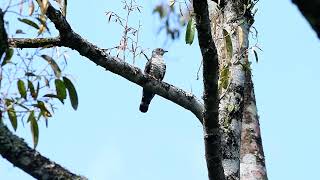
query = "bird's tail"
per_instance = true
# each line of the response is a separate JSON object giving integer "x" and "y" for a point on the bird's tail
{"x": 144, "y": 107}
{"x": 145, "y": 101}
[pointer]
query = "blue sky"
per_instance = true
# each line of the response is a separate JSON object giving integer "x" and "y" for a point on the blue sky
{"x": 108, "y": 138}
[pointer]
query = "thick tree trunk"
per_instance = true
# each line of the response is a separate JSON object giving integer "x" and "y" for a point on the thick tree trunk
{"x": 230, "y": 24}
{"x": 310, "y": 10}
{"x": 252, "y": 162}
{"x": 212, "y": 135}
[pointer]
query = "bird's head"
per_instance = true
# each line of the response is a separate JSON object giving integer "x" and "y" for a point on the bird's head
{"x": 158, "y": 52}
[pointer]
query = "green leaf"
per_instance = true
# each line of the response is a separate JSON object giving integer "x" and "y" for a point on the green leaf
{"x": 224, "y": 77}
{"x": 11, "y": 113}
{"x": 34, "y": 128}
{"x": 228, "y": 43}
{"x": 7, "y": 58}
{"x": 22, "y": 89}
{"x": 29, "y": 22}
{"x": 9, "y": 54}
{"x": 31, "y": 115}
{"x": 54, "y": 96}
{"x": 191, "y": 28}
{"x": 72, "y": 93}
{"x": 35, "y": 132}
{"x": 255, "y": 55}
{"x": 61, "y": 89}
{"x": 32, "y": 90}
{"x": 13, "y": 118}
{"x": 53, "y": 65}
{"x": 45, "y": 112}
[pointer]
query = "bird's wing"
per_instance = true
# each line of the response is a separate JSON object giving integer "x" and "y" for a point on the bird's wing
{"x": 148, "y": 67}
{"x": 164, "y": 72}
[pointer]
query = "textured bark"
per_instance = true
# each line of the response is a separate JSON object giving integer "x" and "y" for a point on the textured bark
{"x": 69, "y": 38}
{"x": 19, "y": 154}
{"x": 252, "y": 165}
{"x": 3, "y": 36}
{"x": 212, "y": 137}
{"x": 15, "y": 150}
{"x": 231, "y": 18}
{"x": 33, "y": 43}
{"x": 310, "y": 10}
{"x": 222, "y": 122}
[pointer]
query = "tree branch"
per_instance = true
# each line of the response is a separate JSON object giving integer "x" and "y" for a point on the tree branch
{"x": 310, "y": 10}
{"x": 15, "y": 150}
{"x": 69, "y": 38}
{"x": 34, "y": 42}
{"x": 212, "y": 136}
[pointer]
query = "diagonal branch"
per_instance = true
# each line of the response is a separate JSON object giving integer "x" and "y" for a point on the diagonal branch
{"x": 212, "y": 136}
{"x": 69, "y": 38}
{"x": 15, "y": 150}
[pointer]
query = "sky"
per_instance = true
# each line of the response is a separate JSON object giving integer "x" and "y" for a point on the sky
{"x": 108, "y": 137}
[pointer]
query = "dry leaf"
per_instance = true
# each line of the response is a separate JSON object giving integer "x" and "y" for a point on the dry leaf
{"x": 31, "y": 7}
{"x": 171, "y": 2}
{"x": 240, "y": 35}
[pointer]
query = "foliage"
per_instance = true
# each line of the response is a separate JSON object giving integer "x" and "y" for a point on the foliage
{"x": 191, "y": 28}
{"x": 32, "y": 81}
{"x": 173, "y": 17}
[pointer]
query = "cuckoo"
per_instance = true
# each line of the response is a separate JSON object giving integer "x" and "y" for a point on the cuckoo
{"x": 156, "y": 68}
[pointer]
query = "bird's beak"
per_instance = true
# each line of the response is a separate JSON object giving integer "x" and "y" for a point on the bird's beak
{"x": 165, "y": 51}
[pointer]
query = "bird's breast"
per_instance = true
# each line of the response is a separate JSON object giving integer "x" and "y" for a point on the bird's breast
{"x": 157, "y": 68}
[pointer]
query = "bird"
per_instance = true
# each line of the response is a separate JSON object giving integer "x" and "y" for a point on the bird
{"x": 156, "y": 68}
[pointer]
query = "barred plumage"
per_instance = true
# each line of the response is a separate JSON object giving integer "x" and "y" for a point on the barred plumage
{"x": 157, "y": 68}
